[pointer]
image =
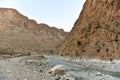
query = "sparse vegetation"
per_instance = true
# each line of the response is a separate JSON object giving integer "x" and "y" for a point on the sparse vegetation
{"x": 83, "y": 51}
{"x": 103, "y": 44}
{"x": 96, "y": 44}
{"x": 97, "y": 47}
{"x": 79, "y": 43}
{"x": 98, "y": 25}
{"x": 116, "y": 23}
{"x": 116, "y": 40}
{"x": 98, "y": 50}
{"x": 107, "y": 50}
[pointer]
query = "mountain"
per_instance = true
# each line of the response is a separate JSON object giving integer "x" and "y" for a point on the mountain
{"x": 96, "y": 33}
{"x": 20, "y": 33}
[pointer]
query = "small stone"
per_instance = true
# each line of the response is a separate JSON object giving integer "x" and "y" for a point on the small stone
{"x": 58, "y": 78}
{"x": 25, "y": 79}
{"x": 41, "y": 70}
{"x": 98, "y": 74}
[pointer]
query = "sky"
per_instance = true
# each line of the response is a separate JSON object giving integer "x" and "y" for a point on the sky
{"x": 55, "y": 13}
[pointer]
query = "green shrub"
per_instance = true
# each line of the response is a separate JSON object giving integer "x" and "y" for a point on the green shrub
{"x": 117, "y": 40}
{"x": 116, "y": 23}
{"x": 79, "y": 43}
{"x": 83, "y": 51}
{"x": 107, "y": 50}
{"x": 98, "y": 50}
{"x": 103, "y": 44}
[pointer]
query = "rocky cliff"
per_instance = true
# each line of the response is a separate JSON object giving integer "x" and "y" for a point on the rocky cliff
{"x": 20, "y": 33}
{"x": 96, "y": 33}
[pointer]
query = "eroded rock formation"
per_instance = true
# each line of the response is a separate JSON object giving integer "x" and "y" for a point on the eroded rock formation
{"x": 96, "y": 33}
{"x": 20, "y": 33}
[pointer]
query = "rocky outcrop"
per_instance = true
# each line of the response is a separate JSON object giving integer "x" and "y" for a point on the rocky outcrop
{"x": 96, "y": 33}
{"x": 20, "y": 33}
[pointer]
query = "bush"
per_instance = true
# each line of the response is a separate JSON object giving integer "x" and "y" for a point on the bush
{"x": 116, "y": 23}
{"x": 98, "y": 50}
{"x": 79, "y": 43}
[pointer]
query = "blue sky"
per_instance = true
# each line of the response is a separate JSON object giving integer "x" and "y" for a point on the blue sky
{"x": 57, "y": 13}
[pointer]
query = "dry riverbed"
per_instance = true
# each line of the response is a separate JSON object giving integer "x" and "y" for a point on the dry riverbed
{"x": 34, "y": 67}
{"x": 42, "y": 67}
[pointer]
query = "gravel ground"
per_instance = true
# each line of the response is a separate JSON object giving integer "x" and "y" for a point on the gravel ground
{"x": 33, "y": 67}
{"x": 39, "y": 67}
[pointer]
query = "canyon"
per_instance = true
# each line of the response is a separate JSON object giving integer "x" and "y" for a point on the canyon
{"x": 32, "y": 51}
{"x": 19, "y": 33}
{"x": 96, "y": 33}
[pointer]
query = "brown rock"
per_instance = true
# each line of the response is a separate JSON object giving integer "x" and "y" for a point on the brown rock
{"x": 20, "y": 33}
{"x": 97, "y": 29}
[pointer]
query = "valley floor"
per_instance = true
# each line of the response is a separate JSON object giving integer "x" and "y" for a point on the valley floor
{"x": 38, "y": 67}
{"x": 32, "y": 67}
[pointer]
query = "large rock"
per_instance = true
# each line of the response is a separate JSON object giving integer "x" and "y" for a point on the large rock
{"x": 96, "y": 33}
{"x": 58, "y": 69}
{"x": 20, "y": 33}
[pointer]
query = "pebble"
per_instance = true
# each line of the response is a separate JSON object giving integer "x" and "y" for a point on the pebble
{"x": 25, "y": 79}
{"x": 98, "y": 74}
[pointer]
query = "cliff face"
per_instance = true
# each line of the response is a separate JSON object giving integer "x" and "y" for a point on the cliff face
{"x": 20, "y": 33}
{"x": 96, "y": 33}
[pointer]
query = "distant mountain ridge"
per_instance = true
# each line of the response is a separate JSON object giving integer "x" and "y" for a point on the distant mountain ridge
{"x": 96, "y": 33}
{"x": 20, "y": 33}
